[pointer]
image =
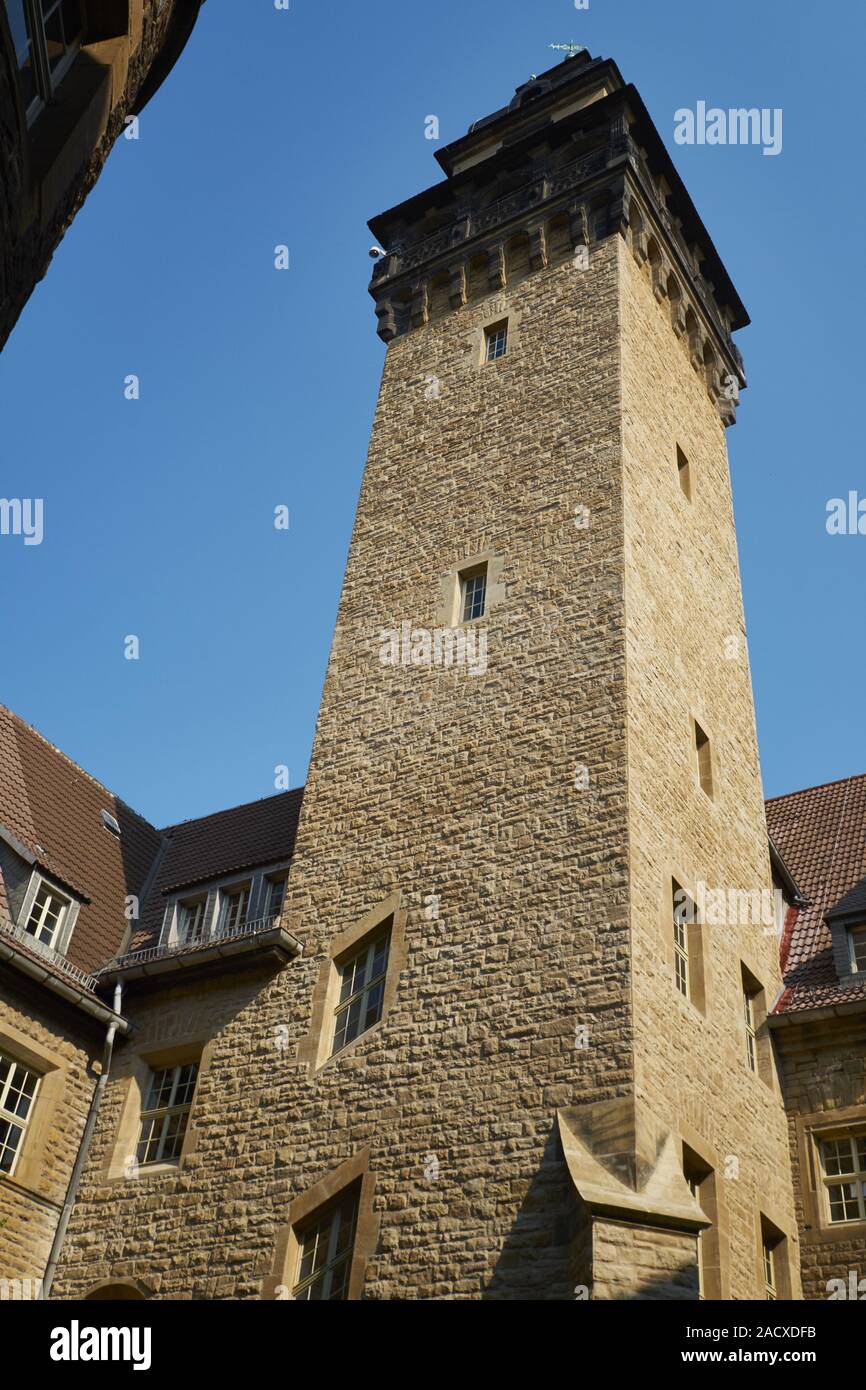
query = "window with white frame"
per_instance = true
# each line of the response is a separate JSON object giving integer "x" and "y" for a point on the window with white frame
{"x": 496, "y": 341}
{"x": 769, "y": 1259}
{"x": 857, "y": 948}
{"x": 234, "y": 904}
{"x": 192, "y": 916}
{"x": 751, "y": 1030}
{"x": 275, "y": 896}
{"x": 843, "y": 1164}
{"x": 325, "y": 1253}
{"x": 473, "y": 594}
{"x": 18, "y": 1087}
{"x": 166, "y": 1113}
{"x": 362, "y": 989}
{"x": 46, "y": 35}
{"x": 47, "y": 916}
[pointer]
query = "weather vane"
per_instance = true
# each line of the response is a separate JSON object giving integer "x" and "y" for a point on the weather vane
{"x": 570, "y": 49}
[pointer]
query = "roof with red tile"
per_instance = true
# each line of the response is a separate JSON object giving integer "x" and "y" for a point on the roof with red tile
{"x": 821, "y": 834}
{"x": 52, "y": 808}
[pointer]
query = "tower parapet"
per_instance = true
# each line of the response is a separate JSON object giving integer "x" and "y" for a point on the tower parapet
{"x": 573, "y": 159}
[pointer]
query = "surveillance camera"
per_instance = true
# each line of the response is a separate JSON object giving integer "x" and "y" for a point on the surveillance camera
{"x": 375, "y": 253}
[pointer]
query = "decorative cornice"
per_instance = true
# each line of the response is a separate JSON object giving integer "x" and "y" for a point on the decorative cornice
{"x": 602, "y": 167}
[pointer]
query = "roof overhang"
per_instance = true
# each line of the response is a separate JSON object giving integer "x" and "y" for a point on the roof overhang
{"x": 77, "y": 995}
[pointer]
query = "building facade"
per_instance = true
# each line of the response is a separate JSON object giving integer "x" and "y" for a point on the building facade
{"x": 71, "y": 74}
{"x": 495, "y": 1007}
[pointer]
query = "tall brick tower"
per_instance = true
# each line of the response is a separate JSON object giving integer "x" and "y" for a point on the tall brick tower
{"x": 522, "y": 1051}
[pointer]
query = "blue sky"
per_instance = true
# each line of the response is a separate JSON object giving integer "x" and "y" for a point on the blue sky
{"x": 258, "y": 387}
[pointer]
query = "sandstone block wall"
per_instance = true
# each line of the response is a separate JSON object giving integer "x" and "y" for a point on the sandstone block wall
{"x": 687, "y": 659}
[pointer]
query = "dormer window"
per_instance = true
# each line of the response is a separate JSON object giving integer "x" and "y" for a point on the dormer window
{"x": 234, "y": 903}
{"x": 47, "y": 916}
{"x": 191, "y": 921}
{"x": 857, "y": 949}
{"x": 276, "y": 896}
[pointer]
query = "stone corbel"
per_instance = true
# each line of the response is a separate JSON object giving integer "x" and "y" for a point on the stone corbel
{"x": 458, "y": 294}
{"x": 579, "y": 225}
{"x": 387, "y": 328}
{"x": 660, "y": 271}
{"x": 537, "y": 248}
{"x": 618, "y": 211}
{"x": 496, "y": 268}
{"x": 419, "y": 312}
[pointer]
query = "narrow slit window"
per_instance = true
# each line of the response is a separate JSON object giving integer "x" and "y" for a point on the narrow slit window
{"x": 682, "y": 910}
{"x": 701, "y": 1181}
{"x": 703, "y": 759}
{"x": 685, "y": 473}
{"x": 496, "y": 341}
{"x": 751, "y": 1030}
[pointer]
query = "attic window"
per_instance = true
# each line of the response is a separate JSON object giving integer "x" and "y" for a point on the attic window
{"x": 857, "y": 949}
{"x": 110, "y": 823}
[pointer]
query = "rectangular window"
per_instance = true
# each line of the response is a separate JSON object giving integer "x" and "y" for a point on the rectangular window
{"x": 496, "y": 341}
{"x": 362, "y": 990}
{"x": 276, "y": 896}
{"x": 843, "y": 1161}
{"x": 684, "y": 472}
{"x": 18, "y": 1087}
{"x": 473, "y": 594}
{"x": 325, "y": 1252}
{"x": 166, "y": 1112}
{"x": 47, "y": 915}
{"x": 683, "y": 910}
{"x": 769, "y": 1270}
{"x": 857, "y": 947}
{"x": 233, "y": 908}
{"x": 703, "y": 758}
{"x": 46, "y": 35}
{"x": 192, "y": 920}
{"x": 751, "y": 1038}
{"x": 702, "y": 1185}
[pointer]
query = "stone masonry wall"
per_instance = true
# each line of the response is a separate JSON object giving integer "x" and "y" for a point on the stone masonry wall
{"x": 824, "y": 1067}
{"x": 440, "y": 782}
{"x": 687, "y": 659}
{"x": 31, "y": 1199}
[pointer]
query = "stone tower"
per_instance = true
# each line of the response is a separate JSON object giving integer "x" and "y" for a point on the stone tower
{"x": 534, "y": 791}
{"x": 559, "y": 378}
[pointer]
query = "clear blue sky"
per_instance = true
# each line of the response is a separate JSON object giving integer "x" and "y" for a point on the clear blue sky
{"x": 258, "y": 388}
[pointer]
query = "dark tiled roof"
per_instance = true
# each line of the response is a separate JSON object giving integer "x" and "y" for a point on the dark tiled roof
{"x": 821, "y": 833}
{"x": 243, "y": 837}
{"x": 53, "y": 808}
